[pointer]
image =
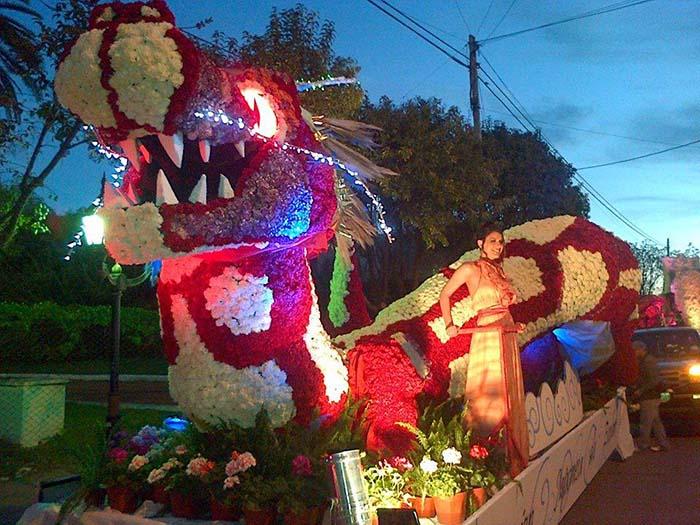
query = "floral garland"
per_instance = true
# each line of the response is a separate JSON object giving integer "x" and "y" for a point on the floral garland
{"x": 686, "y": 290}
{"x": 563, "y": 269}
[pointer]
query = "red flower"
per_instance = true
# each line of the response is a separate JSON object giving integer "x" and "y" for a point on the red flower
{"x": 478, "y": 452}
{"x": 301, "y": 466}
{"x": 119, "y": 455}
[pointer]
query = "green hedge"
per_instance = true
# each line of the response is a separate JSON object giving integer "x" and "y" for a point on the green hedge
{"x": 46, "y": 331}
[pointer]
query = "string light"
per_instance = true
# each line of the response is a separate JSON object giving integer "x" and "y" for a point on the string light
{"x": 117, "y": 176}
{"x": 219, "y": 116}
{"x": 323, "y": 83}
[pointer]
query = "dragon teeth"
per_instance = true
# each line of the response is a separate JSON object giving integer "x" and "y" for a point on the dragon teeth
{"x": 225, "y": 189}
{"x": 164, "y": 192}
{"x": 199, "y": 193}
{"x": 240, "y": 148}
{"x": 204, "y": 150}
{"x": 174, "y": 146}
{"x": 130, "y": 149}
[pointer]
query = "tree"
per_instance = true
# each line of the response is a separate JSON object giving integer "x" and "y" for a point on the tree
{"x": 298, "y": 43}
{"x": 649, "y": 256}
{"x": 533, "y": 182}
{"x": 439, "y": 196}
{"x": 18, "y": 55}
{"x": 49, "y": 121}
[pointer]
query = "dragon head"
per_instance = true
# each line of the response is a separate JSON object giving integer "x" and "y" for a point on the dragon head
{"x": 219, "y": 157}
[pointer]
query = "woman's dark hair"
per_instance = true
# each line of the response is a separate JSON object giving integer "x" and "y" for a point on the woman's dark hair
{"x": 486, "y": 228}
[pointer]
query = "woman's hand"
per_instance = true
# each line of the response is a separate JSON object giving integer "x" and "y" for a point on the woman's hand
{"x": 452, "y": 331}
{"x": 520, "y": 327}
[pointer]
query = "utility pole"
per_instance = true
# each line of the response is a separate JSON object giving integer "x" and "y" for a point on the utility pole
{"x": 668, "y": 247}
{"x": 474, "y": 86}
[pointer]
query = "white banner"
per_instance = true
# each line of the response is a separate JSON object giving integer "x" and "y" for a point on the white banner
{"x": 550, "y": 485}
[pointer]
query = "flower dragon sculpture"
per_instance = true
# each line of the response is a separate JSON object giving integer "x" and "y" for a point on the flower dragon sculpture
{"x": 228, "y": 187}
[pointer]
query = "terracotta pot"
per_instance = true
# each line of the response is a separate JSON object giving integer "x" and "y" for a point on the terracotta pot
{"x": 222, "y": 512}
{"x": 123, "y": 499}
{"x": 186, "y": 505}
{"x": 478, "y": 497}
{"x": 452, "y": 510}
{"x": 425, "y": 507}
{"x": 259, "y": 517}
{"x": 309, "y": 516}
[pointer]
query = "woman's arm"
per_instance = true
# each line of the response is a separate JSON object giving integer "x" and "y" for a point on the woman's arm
{"x": 462, "y": 275}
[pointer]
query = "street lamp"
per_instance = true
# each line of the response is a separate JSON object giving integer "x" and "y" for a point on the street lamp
{"x": 94, "y": 234}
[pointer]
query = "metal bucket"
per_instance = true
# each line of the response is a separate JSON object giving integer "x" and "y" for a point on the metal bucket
{"x": 351, "y": 504}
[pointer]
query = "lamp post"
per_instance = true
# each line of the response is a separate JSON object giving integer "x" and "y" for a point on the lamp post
{"x": 94, "y": 234}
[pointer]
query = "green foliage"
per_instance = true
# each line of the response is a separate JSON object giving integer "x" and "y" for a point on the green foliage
{"x": 385, "y": 486}
{"x": 298, "y": 43}
{"x": 46, "y": 332}
{"x": 337, "y": 311}
{"x": 533, "y": 182}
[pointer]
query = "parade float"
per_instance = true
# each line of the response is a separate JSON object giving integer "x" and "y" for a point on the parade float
{"x": 231, "y": 185}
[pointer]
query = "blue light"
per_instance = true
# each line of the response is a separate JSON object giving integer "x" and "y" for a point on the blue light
{"x": 176, "y": 424}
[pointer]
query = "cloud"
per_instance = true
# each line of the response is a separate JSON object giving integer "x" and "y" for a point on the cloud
{"x": 554, "y": 117}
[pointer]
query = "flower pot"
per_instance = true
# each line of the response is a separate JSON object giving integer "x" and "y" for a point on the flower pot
{"x": 309, "y": 516}
{"x": 259, "y": 517}
{"x": 186, "y": 505}
{"x": 451, "y": 510}
{"x": 477, "y": 497}
{"x": 220, "y": 511}
{"x": 424, "y": 507}
{"x": 123, "y": 499}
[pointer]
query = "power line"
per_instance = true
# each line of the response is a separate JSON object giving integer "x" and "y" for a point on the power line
{"x": 594, "y": 192}
{"x": 488, "y": 10}
{"x": 603, "y": 10}
{"x": 641, "y": 156}
{"x": 578, "y": 177}
{"x": 591, "y": 131}
{"x": 421, "y": 36}
{"x": 422, "y": 27}
{"x": 503, "y": 17}
{"x": 459, "y": 9}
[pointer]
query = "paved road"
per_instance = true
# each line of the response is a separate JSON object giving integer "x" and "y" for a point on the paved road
{"x": 650, "y": 488}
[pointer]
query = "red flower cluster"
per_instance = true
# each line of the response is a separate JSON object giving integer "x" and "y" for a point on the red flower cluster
{"x": 301, "y": 466}
{"x": 478, "y": 452}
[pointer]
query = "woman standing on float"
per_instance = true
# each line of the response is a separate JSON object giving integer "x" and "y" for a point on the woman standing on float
{"x": 494, "y": 391}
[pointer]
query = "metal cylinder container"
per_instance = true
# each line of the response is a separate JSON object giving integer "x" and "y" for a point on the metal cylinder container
{"x": 351, "y": 502}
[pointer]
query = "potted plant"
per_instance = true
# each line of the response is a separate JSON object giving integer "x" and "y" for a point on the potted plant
{"x": 122, "y": 479}
{"x": 305, "y": 492}
{"x": 385, "y": 486}
{"x": 441, "y": 468}
{"x": 479, "y": 476}
{"x": 189, "y": 497}
{"x": 258, "y": 498}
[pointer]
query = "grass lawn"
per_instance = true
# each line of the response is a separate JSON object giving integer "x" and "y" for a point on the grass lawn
{"x": 127, "y": 365}
{"x": 83, "y": 431}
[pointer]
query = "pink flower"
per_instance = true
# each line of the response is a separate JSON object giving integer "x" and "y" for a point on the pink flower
{"x": 199, "y": 467}
{"x": 478, "y": 452}
{"x": 137, "y": 462}
{"x": 240, "y": 463}
{"x": 400, "y": 463}
{"x": 119, "y": 455}
{"x": 231, "y": 482}
{"x": 181, "y": 450}
{"x": 301, "y": 466}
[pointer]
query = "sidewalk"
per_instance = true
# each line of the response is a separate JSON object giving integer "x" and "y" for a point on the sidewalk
{"x": 659, "y": 488}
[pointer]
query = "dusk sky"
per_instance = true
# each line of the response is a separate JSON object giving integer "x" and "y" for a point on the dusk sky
{"x": 604, "y": 88}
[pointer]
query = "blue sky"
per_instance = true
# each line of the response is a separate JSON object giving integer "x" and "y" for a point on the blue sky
{"x": 630, "y": 79}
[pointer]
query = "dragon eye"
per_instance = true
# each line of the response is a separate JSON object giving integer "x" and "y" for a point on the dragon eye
{"x": 267, "y": 124}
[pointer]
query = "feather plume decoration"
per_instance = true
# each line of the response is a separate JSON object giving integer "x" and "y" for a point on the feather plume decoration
{"x": 353, "y": 222}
